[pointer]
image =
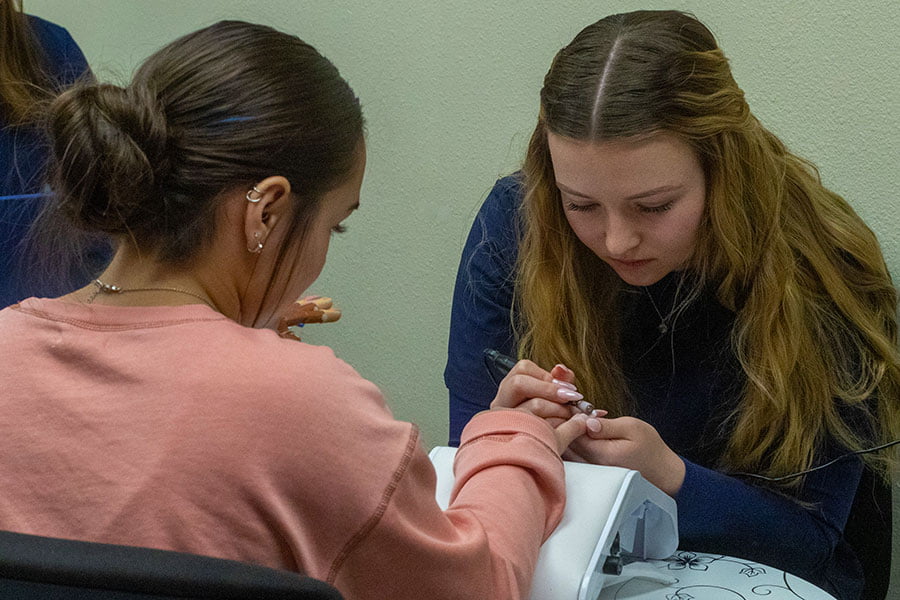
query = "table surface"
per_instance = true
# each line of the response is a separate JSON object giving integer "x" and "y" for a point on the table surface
{"x": 699, "y": 576}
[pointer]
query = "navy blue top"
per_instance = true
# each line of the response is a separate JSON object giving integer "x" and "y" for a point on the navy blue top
{"x": 23, "y": 157}
{"x": 683, "y": 383}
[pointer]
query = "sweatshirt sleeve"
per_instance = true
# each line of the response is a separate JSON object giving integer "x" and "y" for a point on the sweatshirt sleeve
{"x": 719, "y": 513}
{"x": 482, "y": 304}
{"x": 508, "y": 497}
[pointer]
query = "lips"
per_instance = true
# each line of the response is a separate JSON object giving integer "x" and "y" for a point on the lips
{"x": 632, "y": 264}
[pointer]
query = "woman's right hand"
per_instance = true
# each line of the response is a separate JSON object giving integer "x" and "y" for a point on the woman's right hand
{"x": 546, "y": 394}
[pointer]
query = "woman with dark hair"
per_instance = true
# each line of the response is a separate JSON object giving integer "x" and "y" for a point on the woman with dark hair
{"x": 158, "y": 406}
{"x": 734, "y": 316}
{"x": 37, "y": 60}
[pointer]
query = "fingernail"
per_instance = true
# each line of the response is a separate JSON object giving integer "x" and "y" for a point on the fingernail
{"x": 599, "y": 413}
{"x": 585, "y": 406}
{"x": 565, "y": 368}
{"x": 564, "y": 384}
{"x": 569, "y": 395}
{"x": 594, "y": 425}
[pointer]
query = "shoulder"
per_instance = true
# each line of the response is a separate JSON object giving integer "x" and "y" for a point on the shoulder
{"x": 497, "y": 225}
{"x": 282, "y": 393}
{"x": 286, "y": 366}
{"x": 65, "y": 59}
{"x": 505, "y": 197}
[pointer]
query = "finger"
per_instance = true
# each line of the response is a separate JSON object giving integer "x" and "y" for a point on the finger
{"x": 571, "y": 430}
{"x": 321, "y": 302}
{"x": 527, "y": 367}
{"x": 298, "y": 311}
{"x": 563, "y": 373}
{"x": 288, "y": 334}
{"x": 546, "y": 409}
{"x": 518, "y": 387}
{"x": 614, "y": 429}
{"x": 330, "y": 315}
{"x": 310, "y": 313}
{"x": 555, "y": 422}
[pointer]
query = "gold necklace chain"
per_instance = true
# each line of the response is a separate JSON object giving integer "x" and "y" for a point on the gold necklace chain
{"x": 108, "y": 288}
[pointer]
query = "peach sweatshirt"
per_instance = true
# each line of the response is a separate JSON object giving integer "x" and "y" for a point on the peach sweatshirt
{"x": 176, "y": 428}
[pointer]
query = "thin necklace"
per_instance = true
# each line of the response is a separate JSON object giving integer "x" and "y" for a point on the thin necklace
{"x": 108, "y": 288}
{"x": 663, "y": 326}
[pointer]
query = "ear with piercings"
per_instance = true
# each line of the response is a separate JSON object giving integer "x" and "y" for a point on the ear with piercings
{"x": 257, "y": 236}
{"x": 267, "y": 203}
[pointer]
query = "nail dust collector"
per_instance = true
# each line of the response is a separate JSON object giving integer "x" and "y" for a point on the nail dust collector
{"x": 613, "y": 518}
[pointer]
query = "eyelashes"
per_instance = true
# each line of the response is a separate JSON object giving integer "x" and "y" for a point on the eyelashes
{"x": 339, "y": 229}
{"x": 571, "y": 206}
{"x": 657, "y": 209}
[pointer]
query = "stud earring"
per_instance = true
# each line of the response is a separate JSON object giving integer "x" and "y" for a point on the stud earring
{"x": 252, "y": 199}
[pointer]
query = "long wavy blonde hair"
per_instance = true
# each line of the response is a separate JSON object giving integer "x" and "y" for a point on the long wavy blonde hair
{"x": 24, "y": 81}
{"x": 815, "y": 310}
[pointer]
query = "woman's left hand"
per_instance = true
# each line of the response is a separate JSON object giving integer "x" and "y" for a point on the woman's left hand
{"x": 310, "y": 309}
{"x": 633, "y": 444}
{"x": 546, "y": 394}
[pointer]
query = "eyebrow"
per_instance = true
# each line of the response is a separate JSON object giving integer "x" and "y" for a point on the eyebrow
{"x": 645, "y": 194}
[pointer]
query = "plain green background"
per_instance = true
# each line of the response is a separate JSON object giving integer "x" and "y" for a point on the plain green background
{"x": 450, "y": 92}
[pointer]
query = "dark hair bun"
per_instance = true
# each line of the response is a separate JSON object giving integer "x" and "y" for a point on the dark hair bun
{"x": 111, "y": 156}
{"x": 215, "y": 111}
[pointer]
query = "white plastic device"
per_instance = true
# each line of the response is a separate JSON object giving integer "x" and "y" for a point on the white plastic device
{"x": 612, "y": 515}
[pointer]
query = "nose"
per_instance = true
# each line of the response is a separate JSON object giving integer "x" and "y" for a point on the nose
{"x": 621, "y": 236}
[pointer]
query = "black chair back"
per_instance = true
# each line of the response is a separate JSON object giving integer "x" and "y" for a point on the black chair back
{"x": 868, "y": 531}
{"x": 57, "y": 569}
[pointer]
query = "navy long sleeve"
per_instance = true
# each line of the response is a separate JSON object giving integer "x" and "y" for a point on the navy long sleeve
{"x": 684, "y": 382}
{"x": 23, "y": 161}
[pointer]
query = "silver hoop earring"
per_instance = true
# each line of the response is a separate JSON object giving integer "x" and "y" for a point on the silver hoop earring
{"x": 251, "y": 199}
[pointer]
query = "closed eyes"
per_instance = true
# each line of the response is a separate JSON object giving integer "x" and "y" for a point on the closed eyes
{"x": 661, "y": 208}
{"x": 579, "y": 207}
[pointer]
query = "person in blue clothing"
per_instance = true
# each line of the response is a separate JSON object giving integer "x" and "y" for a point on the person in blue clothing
{"x": 37, "y": 60}
{"x": 734, "y": 316}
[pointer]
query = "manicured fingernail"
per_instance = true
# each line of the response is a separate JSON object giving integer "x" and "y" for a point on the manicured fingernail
{"x": 594, "y": 425}
{"x": 584, "y": 406}
{"x": 564, "y": 384}
{"x": 599, "y": 413}
{"x": 568, "y": 395}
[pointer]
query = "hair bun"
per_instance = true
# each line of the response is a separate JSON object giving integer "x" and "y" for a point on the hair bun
{"x": 110, "y": 147}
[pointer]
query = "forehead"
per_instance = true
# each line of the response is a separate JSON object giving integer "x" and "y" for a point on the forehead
{"x": 623, "y": 165}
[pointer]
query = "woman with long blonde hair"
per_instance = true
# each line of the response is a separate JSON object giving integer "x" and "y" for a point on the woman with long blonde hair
{"x": 734, "y": 316}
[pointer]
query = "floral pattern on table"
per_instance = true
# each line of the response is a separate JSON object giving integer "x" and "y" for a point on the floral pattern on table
{"x": 700, "y": 576}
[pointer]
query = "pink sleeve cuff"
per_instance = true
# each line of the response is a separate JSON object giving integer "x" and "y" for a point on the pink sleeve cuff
{"x": 508, "y": 422}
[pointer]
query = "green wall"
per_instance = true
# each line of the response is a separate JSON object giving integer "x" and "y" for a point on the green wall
{"x": 450, "y": 92}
